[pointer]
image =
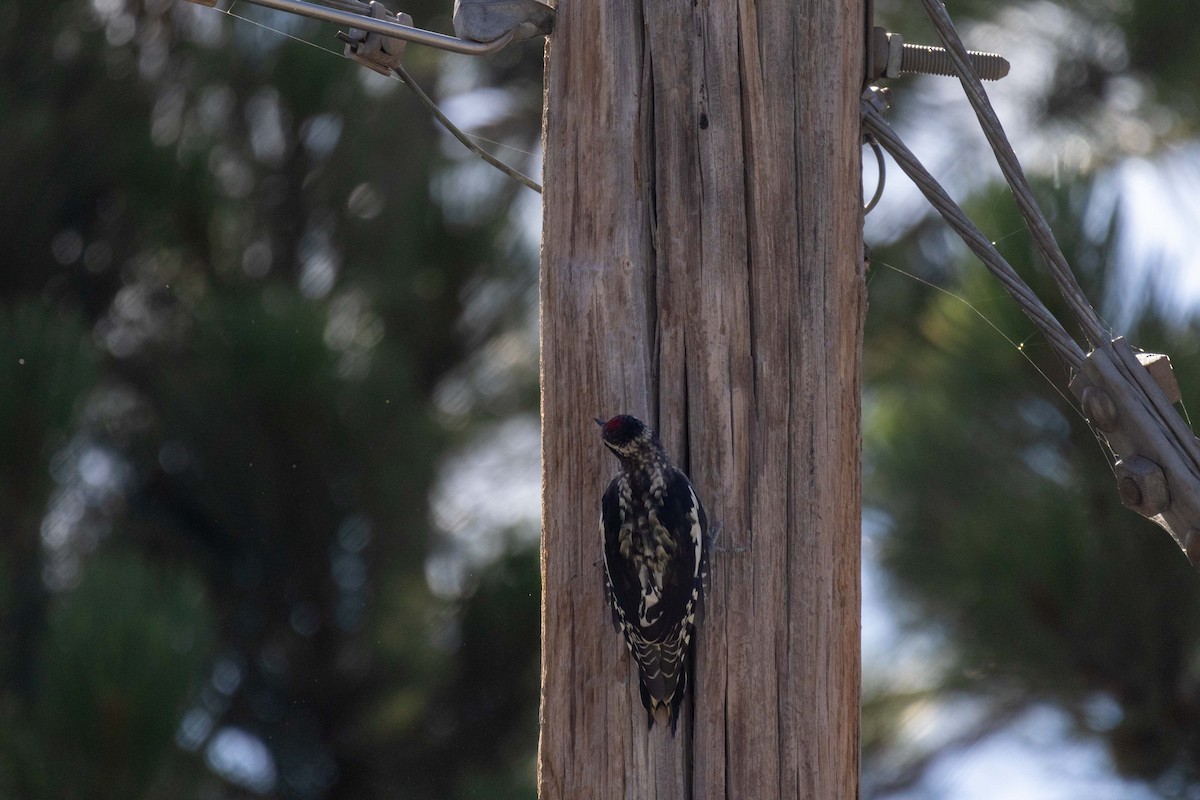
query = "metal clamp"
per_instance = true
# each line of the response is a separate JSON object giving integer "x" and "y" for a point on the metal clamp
{"x": 374, "y": 50}
{"x": 1127, "y": 398}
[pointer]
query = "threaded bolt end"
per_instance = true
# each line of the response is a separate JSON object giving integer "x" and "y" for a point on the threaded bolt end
{"x": 936, "y": 61}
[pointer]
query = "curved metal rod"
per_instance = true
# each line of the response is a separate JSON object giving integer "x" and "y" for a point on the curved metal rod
{"x": 874, "y": 201}
{"x": 386, "y": 28}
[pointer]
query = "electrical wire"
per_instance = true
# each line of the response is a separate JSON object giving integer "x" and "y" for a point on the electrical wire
{"x": 1066, "y": 347}
{"x": 407, "y": 80}
{"x": 1043, "y": 236}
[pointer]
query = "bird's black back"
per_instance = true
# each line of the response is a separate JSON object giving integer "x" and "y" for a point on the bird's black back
{"x": 658, "y": 637}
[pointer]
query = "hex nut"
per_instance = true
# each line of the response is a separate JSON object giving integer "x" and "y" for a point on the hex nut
{"x": 1131, "y": 493}
{"x": 1142, "y": 485}
{"x": 1159, "y": 367}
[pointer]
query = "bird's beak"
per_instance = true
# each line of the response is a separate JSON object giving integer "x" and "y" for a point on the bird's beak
{"x": 599, "y": 421}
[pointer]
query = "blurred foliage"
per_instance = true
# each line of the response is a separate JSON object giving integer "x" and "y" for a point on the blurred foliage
{"x": 50, "y": 364}
{"x": 120, "y": 656}
{"x": 241, "y": 275}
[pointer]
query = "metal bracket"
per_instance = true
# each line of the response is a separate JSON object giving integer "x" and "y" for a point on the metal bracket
{"x": 1127, "y": 398}
{"x": 374, "y": 50}
{"x": 488, "y": 20}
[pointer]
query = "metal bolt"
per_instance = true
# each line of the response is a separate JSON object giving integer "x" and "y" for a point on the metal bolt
{"x": 891, "y": 57}
{"x": 1159, "y": 367}
{"x": 1131, "y": 494}
{"x": 1100, "y": 409}
{"x": 1142, "y": 485}
{"x": 927, "y": 60}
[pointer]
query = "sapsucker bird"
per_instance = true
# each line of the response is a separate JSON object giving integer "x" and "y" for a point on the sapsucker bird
{"x": 655, "y": 557}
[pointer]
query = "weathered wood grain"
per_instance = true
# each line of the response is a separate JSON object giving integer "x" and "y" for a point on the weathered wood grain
{"x": 701, "y": 269}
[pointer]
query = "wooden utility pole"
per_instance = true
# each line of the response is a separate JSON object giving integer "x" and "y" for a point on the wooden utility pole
{"x": 702, "y": 269}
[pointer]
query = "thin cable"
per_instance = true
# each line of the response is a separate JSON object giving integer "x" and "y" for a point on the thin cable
{"x": 485, "y": 140}
{"x": 1066, "y": 347}
{"x": 1020, "y": 348}
{"x": 1093, "y": 327}
{"x": 408, "y": 81}
{"x": 229, "y": 12}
